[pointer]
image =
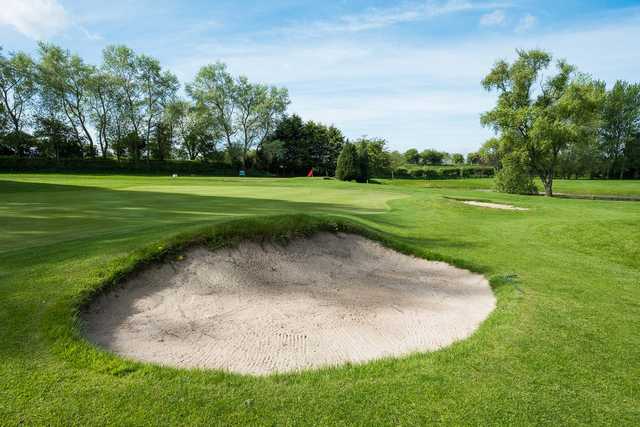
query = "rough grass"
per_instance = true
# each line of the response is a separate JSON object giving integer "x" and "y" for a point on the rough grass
{"x": 561, "y": 348}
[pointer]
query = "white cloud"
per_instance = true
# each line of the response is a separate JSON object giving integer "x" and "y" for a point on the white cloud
{"x": 412, "y": 94}
{"x": 36, "y": 19}
{"x": 526, "y": 23}
{"x": 380, "y": 18}
{"x": 88, "y": 34}
{"x": 493, "y": 19}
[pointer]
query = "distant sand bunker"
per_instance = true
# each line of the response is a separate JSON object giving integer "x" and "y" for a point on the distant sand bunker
{"x": 260, "y": 309}
{"x": 494, "y": 205}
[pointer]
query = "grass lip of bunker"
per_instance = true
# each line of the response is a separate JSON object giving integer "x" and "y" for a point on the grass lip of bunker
{"x": 319, "y": 301}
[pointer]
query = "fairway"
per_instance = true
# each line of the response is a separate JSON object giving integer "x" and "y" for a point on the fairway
{"x": 561, "y": 347}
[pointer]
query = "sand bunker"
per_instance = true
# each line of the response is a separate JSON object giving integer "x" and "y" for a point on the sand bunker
{"x": 494, "y": 205}
{"x": 259, "y": 309}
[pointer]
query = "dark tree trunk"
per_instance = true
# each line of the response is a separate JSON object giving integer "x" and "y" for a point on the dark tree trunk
{"x": 622, "y": 166}
{"x": 547, "y": 182}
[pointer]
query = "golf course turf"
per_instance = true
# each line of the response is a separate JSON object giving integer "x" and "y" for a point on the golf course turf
{"x": 561, "y": 347}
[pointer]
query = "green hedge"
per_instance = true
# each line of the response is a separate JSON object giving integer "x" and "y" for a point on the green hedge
{"x": 152, "y": 167}
{"x": 445, "y": 172}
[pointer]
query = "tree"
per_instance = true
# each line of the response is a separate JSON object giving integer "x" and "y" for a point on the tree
{"x": 213, "y": 90}
{"x": 396, "y": 160}
{"x": 4, "y": 120}
{"x": 302, "y": 145}
{"x": 634, "y": 157}
{"x": 162, "y": 142}
{"x": 157, "y": 88}
{"x": 132, "y": 142}
{"x": 323, "y": 144}
{"x": 433, "y": 157}
{"x": 121, "y": 64}
{"x": 580, "y": 159}
{"x": 66, "y": 78}
{"x": 17, "y": 143}
{"x": 259, "y": 109}
{"x": 17, "y": 88}
{"x": 412, "y": 156}
{"x": 103, "y": 109}
{"x": 246, "y": 113}
{"x": 362, "y": 147}
{"x": 296, "y": 158}
{"x": 194, "y": 129}
{"x": 539, "y": 123}
{"x": 272, "y": 153}
{"x": 378, "y": 158}
{"x": 348, "y": 163}
{"x": 315, "y": 137}
{"x": 514, "y": 176}
{"x": 474, "y": 158}
{"x": 620, "y": 124}
{"x": 334, "y": 148}
{"x": 56, "y": 139}
{"x": 457, "y": 159}
{"x": 491, "y": 152}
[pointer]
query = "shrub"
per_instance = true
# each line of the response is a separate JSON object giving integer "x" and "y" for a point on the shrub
{"x": 402, "y": 173}
{"x": 444, "y": 172}
{"x": 347, "y": 168}
{"x": 514, "y": 177}
{"x": 417, "y": 173}
{"x": 107, "y": 166}
{"x": 363, "y": 163}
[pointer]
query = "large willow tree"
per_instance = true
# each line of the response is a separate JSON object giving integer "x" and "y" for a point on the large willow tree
{"x": 537, "y": 117}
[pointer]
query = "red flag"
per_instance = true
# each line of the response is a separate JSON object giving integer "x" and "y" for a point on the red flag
{"x": 310, "y": 172}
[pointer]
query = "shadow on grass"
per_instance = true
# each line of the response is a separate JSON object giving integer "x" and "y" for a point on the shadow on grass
{"x": 38, "y": 216}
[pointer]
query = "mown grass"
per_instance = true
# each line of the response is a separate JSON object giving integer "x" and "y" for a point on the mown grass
{"x": 562, "y": 346}
{"x": 582, "y": 187}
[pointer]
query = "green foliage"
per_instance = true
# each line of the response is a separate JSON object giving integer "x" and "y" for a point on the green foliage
{"x": 362, "y": 148}
{"x": 18, "y": 87}
{"x": 412, "y": 156}
{"x": 378, "y": 161}
{"x": 537, "y": 127}
{"x": 272, "y": 153}
{"x": 433, "y": 157}
{"x": 443, "y": 172}
{"x": 128, "y": 107}
{"x": 17, "y": 143}
{"x": 245, "y": 113}
{"x": 474, "y": 158}
{"x": 192, "y": 126}
{"x": 56, "y": 139}
{"x": 162, "y": 142}
{"x": 514, "y": 176}
{"x": 348, "y": 167}
{"x": 304, "y": 145}
{"x": 457, "y": 159}
{"x": 620, "y": 127}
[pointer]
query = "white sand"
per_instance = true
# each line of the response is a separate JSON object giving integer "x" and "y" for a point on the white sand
{"x": 261, "y": 309}
{"x": 494, "y": 205}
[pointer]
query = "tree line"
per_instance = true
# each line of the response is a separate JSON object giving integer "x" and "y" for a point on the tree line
{"x": 54, "y": 105}
{"x": 58, "y": 106}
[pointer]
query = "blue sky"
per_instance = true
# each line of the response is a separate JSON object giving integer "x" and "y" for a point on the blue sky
{"x": 406, "y": 71}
